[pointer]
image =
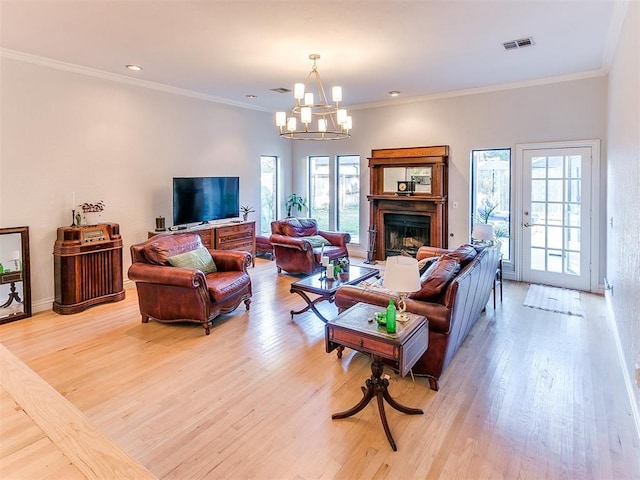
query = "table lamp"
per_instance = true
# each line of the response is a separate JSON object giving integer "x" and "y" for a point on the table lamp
{"x": 483, "y": 233}
{"x": 15, "y": 256}
{"x": 401, "y": 275}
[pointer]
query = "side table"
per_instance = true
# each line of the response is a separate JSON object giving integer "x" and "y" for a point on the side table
{"x": 356, "y": 328}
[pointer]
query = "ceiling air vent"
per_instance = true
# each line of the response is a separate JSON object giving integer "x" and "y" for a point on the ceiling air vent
{"x": 280, "y": 90}
{"x": 520, "y": 43}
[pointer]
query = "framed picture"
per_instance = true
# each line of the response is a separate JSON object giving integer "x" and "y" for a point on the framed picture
{"x": 422, "y": 183}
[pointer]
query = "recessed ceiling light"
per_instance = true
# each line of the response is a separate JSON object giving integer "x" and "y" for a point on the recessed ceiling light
{"x": 135, "y": 68}
{"x": 394, "y": 93}
{"x": 250, "y": 95}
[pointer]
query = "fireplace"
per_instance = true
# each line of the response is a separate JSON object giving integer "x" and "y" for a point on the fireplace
{"x": 406, "y": 233}
{"x": 402, "y": 220}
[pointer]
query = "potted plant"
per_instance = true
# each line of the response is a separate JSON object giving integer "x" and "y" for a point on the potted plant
{"x": 296, "y": 201}
{"x": 246, "y": 210}
{"x": 341, "y": 268}
{"x": 92, "y": 212}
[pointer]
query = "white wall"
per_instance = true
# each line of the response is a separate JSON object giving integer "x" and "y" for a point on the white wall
{"x": 574, "y": 110}
{"x": 623, "y": 152}
{"x": 64, "y": 132}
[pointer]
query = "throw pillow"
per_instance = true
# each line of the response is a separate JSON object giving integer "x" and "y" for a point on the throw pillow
{"x": 425, "y": 263}
{"x": 316, "y": 241}
{"x": 436, "y": 278}
{"x": 464, "y": 254}
{"x": 198, "y": 259}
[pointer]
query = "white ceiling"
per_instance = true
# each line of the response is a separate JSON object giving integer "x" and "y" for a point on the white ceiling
{"x": 226, "y": 49}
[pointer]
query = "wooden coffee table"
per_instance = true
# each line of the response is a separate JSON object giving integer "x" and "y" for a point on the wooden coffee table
{"x": 326, "y": 289}
{"x": 354, "y": 329}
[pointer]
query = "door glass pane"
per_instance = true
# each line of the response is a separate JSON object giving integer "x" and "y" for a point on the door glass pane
{"x": 573, "y": 191}
{"x": 538, "y": 236}
{"x": 572, "y": 214}
{"x": 572, "y": 239}
{"x": 556, "y": 167}
{"x": 574, "y": 166}
{"x": 573, "y": 263}
{"x": 554, "y": 237}
{"x": 538, "y": 213}
{"x": 319, "y": 191}
{"x": 268, "y": 192}
{"x": 555, "y": 191}
{"x": 349, "y": 195}
{"x": 537, "y": 259}
{"x": 555, "y": 214}
{"x": 539, "y": 167}
{"x": 538, "y": 190}
{"x": 554, "y": 261}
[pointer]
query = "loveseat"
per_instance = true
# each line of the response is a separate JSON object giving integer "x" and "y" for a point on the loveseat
{"x": 179, "y": 280}
{"x": 298, "y": 243}
{"x": 455, "y": 291}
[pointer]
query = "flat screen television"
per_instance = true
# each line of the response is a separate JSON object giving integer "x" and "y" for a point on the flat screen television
{"x": 201, "y": 199}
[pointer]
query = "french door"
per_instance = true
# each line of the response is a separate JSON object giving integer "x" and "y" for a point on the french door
{"x": 556, "y": 215}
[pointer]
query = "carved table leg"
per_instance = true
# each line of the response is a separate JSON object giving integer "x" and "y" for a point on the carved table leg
{"x": 377, "y": 386}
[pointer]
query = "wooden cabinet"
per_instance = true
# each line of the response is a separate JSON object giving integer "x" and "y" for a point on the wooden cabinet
{"x": 87, "y": 267}
{"x": 228, "y": 236}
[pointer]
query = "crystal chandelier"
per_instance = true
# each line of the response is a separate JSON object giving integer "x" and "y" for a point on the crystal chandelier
{"x": 313, "y": 117}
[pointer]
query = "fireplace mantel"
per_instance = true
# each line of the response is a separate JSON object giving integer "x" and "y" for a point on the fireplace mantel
{"x": 390, "y": 165}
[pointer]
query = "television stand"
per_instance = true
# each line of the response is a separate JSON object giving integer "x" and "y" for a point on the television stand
{"x": 225, "y": 236}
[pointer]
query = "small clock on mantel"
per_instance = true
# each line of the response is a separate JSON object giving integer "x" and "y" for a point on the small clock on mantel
{"x": 405, "y": 187}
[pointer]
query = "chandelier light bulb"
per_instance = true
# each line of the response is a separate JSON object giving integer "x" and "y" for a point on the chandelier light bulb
{"x": 305, "y": 115}
{"x": 298, "y": 91}
{"x": 308, "y": 98}
{"x": 291, "y": 124}
{"x": 341, "y": 115}
{"x": 281, "y": 119}
{"x": 322, "y": 125}
{"x": 336, "y": 94}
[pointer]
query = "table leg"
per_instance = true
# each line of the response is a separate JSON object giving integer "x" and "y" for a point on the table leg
{"x": 377, "y": 386}
{"x": 13, "y": 295}
{"x": 311, "y": 305}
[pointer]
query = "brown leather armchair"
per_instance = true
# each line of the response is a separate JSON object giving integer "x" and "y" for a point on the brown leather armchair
{"x": 173, "y": 294}
{"x": 297, "y": 244}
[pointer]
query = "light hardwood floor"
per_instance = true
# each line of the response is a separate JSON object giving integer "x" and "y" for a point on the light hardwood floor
{"x": 531, "y": 394}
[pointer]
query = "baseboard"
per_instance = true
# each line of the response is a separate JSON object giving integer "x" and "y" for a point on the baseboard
{"x": 46, "y": 304}
{"x": 625, "y": 370}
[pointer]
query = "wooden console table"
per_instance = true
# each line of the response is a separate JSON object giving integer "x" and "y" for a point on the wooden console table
{"x": 225, "y": 236}
{"x": 356, "y": 328}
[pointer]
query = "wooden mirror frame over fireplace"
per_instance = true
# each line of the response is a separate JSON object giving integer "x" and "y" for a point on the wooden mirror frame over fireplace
{"x": 430, "y": 204}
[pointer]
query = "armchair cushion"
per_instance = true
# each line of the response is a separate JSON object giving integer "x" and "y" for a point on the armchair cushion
{"x": 436, "y": 278}
{"x": 199, "y": 259}
{"x": 158, "y": 251}
{"x": 317, "y": 241}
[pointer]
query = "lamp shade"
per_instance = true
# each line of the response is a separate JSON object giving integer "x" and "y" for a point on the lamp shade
{"x": 483, "y": 232}
{"x": 401, "y": 274}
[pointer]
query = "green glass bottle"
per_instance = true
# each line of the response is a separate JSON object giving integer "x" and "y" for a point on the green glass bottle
{"x": 391, "y": 317}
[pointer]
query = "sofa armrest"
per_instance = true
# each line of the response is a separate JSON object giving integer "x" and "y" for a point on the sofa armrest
{"x": 164, "y": 275}
{"x": 297, "y": 243}
{"x": 425, "y": 251}
{"x": 339, "y": 239}
{"x": 231, "y": 260}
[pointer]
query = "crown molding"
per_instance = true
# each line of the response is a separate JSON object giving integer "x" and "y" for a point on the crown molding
{"x": 489, "y": 89}
{"x": 92, "y": 72}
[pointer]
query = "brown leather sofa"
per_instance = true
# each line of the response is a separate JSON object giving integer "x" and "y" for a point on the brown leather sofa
{"x": 173, "y": 294}
{"x": 297, "y": 244}
{"x": 452, "y": 311}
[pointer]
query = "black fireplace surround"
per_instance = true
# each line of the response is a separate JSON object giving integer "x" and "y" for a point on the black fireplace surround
{"x": 406, "y": 233}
